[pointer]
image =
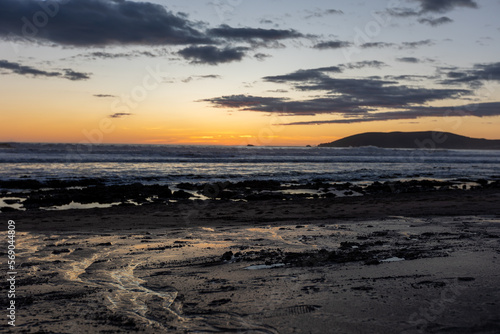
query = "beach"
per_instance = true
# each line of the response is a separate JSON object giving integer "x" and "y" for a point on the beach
{"x": 414, "y": 262}
{"x": 229, "y": 166}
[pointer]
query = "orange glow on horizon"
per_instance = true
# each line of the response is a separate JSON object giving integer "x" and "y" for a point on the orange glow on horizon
{"x": 288, "y": 136}
{"x": 209, "y": 126}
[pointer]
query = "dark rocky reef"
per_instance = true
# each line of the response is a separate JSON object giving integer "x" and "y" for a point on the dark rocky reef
{"x": 89, "y": 191}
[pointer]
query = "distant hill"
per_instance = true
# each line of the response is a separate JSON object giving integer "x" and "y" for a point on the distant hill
{"x": 426, "y": 139}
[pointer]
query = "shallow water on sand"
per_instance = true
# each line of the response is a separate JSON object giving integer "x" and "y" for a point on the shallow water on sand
{"x": 197, "y": 279}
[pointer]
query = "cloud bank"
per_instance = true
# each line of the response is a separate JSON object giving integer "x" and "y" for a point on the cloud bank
{"x": 357, "y": 100}
{"x": 101, "y": 23}
{"x": 434, "y": 22}
{"x": 248, "y": 34}
{"x": 87, "y": 23}
{"x": 426, "y": 7}
{"x": 66, "y": 73}
{"x": 212, "y": 55}
{"x": 474, "y": 76}
{"x": 442, "y": 6}
{"x": 470, "y": 110}
{"x": 342, "y": 96}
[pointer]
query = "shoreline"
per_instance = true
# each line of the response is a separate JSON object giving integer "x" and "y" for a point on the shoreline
{"x": 94, "y": 193}
{"x": 197, "y": 213}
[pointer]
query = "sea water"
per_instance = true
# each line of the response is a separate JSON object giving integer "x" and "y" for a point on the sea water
{"x": 172, "y": 164}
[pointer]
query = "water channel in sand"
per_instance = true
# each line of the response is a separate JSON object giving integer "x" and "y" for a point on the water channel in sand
{"x": 188, "y": 280}
{"x": 112, "y": 264}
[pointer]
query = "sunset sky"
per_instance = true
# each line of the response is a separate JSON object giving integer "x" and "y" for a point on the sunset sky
{"x": 237, "y": 72}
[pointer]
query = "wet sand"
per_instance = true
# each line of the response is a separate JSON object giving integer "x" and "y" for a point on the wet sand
{"x": 402, "y": 263}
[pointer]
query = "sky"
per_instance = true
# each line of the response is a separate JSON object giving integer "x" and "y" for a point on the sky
{"x": 238, "y": 72}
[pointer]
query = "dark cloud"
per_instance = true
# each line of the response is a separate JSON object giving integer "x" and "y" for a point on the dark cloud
{"x": 104, "y": 95}
{"x": 266, "y": 21}
{"x": 371, "y": 92}
{"x": 431, "y": 6}
{"x": 366, "y": 63}
{"x": 333, "y": 11}
{"x": 484, "y": 41}
{"x": 31, "y": 71}
{"x": 442, "y": 6}
{"x": 470, "y": 110}
{"x": 75, "y": 76}
{"x": 402, "y": 12}
{"x": 26, "y": 70}
{"x": 278, "y": 91}
{"x": 321, "y": 105}
{"x": 97, "y": 23}
{"x": 380, "y": 93}
{"x": 201, "y": 77}
{"x": 269, "y": 44}
{"x": 320, "y": 13}
{"x": 332, "y": 45}
{"x": 404, "y": 45}
{"x": 365, "y": 91}
{"x": 343, "y": 105}
{"x": 304, "y": 75}
{"x": 275, "y": 104}
{"x": 342, "y": 96}
{"x": 474, "y": 76}
{"x": 376, "y": 45}
{"x": 246, "y": 102}
{"x": 120, "y": 115}
{"x": 104, "y": 55}
{"x": 456, "y": 75}
{"x": 100, "y": 23}
{"x": 245, "y": 34}
{"x": 435, "y": 21}
{"x": 409, "y": 77}
{"x": 209, "y": 76}
{"x": 261, "y": 56}
{"x": 117, "y": 55}
{"x": 408, "y": 60}
{"x": 416, "y": 44}
{"x": 212, "y": 55}
{"x": 487, "y": 71}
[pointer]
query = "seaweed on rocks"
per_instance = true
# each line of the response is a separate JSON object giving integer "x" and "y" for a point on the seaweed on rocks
{"x": 102, "y": 194}
{"x": 369, "y": 253}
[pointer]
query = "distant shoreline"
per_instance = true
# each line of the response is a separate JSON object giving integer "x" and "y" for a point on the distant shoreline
{"x": 9, "y": 145}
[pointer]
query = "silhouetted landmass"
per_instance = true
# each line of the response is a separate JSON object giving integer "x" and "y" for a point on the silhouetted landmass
{"x": 425, "y": 139}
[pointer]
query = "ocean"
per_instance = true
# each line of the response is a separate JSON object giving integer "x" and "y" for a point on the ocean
{"x": 173, "y": 164}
